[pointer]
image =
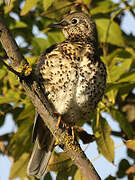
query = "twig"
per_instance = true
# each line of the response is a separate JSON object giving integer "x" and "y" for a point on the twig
{"x": 128, "y": 7}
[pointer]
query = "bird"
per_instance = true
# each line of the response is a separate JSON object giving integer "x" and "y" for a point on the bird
{"x": 73, "y": 77}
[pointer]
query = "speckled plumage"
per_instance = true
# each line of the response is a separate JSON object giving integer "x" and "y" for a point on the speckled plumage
{"x": 71, "y": 72}
{"x": 74, "y": 79}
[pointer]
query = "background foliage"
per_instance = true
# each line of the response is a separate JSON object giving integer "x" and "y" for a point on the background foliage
{"x": 117, "y": 49}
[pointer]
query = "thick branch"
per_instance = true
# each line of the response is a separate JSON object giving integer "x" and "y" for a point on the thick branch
{"x": 43, "y": 107}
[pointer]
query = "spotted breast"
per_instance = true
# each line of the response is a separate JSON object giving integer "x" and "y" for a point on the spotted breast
{"x": 74, "y": 78}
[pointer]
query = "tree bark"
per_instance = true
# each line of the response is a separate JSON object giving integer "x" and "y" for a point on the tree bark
{"x": 42, "y": 105}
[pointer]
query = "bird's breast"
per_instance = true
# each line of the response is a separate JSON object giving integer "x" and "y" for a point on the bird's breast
{"x": 74, "y": 85}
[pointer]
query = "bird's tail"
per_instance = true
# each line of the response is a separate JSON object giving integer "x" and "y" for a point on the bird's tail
{"x": 38, "y": 161}
{"x": 42, "y": 149}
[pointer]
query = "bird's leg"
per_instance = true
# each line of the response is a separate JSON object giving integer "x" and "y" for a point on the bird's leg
{"x": 59, "y": 120}
{"x": 73, "y": 132}
{"x": 65, "y": 125}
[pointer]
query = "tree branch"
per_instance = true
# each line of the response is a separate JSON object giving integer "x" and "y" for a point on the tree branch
{"x": 10, "y": 46}
{"x": 43, "y": 107}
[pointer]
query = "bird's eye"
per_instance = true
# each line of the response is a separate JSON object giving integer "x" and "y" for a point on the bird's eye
{"x": 74, "y": 21}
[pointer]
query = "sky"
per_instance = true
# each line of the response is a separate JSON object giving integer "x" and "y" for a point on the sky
{"x": 99, "y": 162}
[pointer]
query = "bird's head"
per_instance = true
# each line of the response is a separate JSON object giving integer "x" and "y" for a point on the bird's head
{"x": 78, "y": 26}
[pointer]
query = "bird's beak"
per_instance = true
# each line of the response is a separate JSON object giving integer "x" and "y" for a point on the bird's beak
{"x": 60, "y": 25}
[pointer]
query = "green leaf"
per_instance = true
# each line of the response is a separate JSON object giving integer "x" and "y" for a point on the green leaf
{"x": 59, "y": 162}
{"x": 117, "y": 70}
{"x": 104, "y": 7}
{"x": 27, "y": 113}
{"x": 16, "y": 112}
{"x": 2, "y": 119}
{"x": 123, "y": 166}
{"x": 124, "y": 124}
{"x": 58, "y": 9}
{"x": 131, "y": 144}
{"x": 9, "y": 97}
{"x": 118, "y": 55}
{"x": 65, "y": 173}
{"x": 55, "y": 36}
{"x": 128, "y": 77}
{"x": 78, "y": 175}
{"x": 113, "y": 92}
{"x": 8, "y": 8}
{"x": 123, "y": 91}
{"x": 112, "y": 95}
{"x": 32, "y": 60}
{"x": 18, "y": 24}
{"x": 21, "y": 140}
{"x": 118, "y": 85}
{"x": 19, "y": 167}
{"x": 29, "y": 4}
{"x": 40, "y": 44}
{"x": 22, "y": 137}
{"x": 48, "y": 176}
{"x": 102, "y": 132}
{"x": 109, "y": 32}
{"x": 110, "y": 178}
{"x": 62, "y": 175}
{"x": 115, "y": 73}
{"x": 2, "y": 73}
{"x": 47, "y": 4}
{"x": 13, "y": 79}
{"x": 87, "y": 2}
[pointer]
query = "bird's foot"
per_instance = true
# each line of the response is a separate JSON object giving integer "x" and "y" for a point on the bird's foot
{"x": 61, "y": 123}
{"x": 59, "y": 119}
